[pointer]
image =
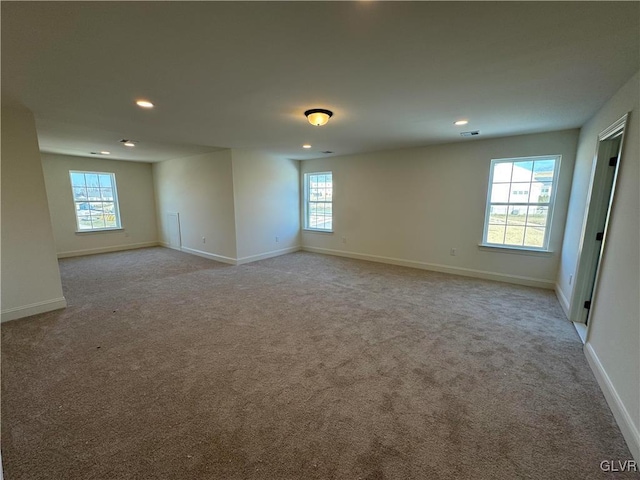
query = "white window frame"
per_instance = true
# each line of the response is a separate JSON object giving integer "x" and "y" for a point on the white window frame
{"x": 307, "y": 201}
{"x": 116, "y": 203}
{"x": 550, "y": 205}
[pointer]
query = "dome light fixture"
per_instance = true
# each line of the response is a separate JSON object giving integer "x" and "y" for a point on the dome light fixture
{"x": 318, "y": 116}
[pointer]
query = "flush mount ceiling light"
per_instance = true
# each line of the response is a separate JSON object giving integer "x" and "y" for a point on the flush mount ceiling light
{"x": 461, "y": 122}
{"x": 306, "y": 146}
{"x": 128, "y": 143}
{"x": 144, "y": 103}
{"x": 318, "y": 116}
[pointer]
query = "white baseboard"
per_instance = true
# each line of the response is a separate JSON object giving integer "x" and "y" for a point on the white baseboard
{"x": 467, "y": 272}
{"x": 621, "y": 414}
{"x": 117, "y": 248}
{"x": 581, "y": 328}
{"x": 273, "y": 253}
{"x": 166, "y": 245}
{"x": 210, "y": 256}
{"x": 33, "y": 309}
{"x": 562, "y": 299}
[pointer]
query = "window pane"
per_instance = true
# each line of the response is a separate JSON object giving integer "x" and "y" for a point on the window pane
{"x": 500, "y": 193}
{"x": 519, "y": 193}
{"x": 538, "y": 216}
{"x": 93, "y": 193}
{"x": 110, "y": 218}
{"x": 498, "y": 214}
{"x": 502, "y": 172}
{"x": 83, "y": 215}
{"x": 95, "y": 207}
{"x": 105, "y": 180}
{"x": 106, "y": 194}
{"x": 514, "y": 235}
{"x": 495, "y": 234}
{"x": 543, "y": 170}
{"x": 517, "y": 216}
{"x": 92, "y": 179}
{"x": 77, "y": 179}
{"x": 98, "y": 221}
{"x": 534, "y": 237}
{"x": 522, "y": 171}
{"x": 541, "y": 192}
{"x": 79, "y": 193}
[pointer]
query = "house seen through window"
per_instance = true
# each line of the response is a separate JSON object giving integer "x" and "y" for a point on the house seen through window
{"x": 318, "y": 204}
{"x": 95, "y": 200}
{"x": 520, "y": 202}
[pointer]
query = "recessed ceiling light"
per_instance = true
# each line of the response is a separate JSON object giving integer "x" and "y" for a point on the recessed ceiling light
{"x": 461, "y": 122}
{"x": 144, "y": 103}
{"x": 129, "y": 144}
{"x": 306, "y": 146}
{"x": 104, "y": 152}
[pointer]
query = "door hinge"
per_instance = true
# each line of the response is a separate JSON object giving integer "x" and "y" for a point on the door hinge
{"x": 599, "y": 236}
{"x": 613, "y": 161}
{"x": 587, "y": 304}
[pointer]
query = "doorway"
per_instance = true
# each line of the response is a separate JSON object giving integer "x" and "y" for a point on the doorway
{"x": 604, "y": 174}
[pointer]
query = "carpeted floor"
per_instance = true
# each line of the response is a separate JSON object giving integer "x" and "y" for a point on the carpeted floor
{"x": 170, "y": 366}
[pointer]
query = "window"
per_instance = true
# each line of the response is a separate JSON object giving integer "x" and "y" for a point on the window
{"x": 520, "y": 202}
{"x": 95, "y": 200}
{"x": 318, "y": 198}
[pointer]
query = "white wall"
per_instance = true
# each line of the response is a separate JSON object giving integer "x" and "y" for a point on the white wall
{"x": 200, "y": 189}
{"x": 412, "y": 206}
{"x": 267, "y": 204}
{"x": 134, "y": 181}
{"x": 30, "y": 275}
{"x": 613, "y": 340}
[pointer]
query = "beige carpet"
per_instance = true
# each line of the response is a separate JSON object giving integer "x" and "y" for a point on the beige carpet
{"x": 170, "y": 366}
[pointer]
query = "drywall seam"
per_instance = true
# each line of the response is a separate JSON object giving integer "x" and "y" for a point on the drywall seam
{"x": 33, "y": 309}
{"x": 562, "y": 299}
{"x": 116, "y": 248}
{"x": 467, "y": 272}
{"x": 273, "y": 253}
{"x": 627, "y": 427}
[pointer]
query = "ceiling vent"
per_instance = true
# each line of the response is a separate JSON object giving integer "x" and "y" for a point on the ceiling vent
{"x": 327, "y": 152}
{"x": 470, "y": 134}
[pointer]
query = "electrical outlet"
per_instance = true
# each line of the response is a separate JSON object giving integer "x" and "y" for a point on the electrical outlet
{"x": 570, "y": 279}
{"x": 277, "y": 239}
{"x": 204, "y": 240}
{"x": 452, "y": 252}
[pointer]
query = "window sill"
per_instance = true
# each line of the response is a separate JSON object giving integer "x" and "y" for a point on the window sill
{"x": 516, "y": 250}
{"x": 313, "y": 230}
{"x": 102, "y": 230}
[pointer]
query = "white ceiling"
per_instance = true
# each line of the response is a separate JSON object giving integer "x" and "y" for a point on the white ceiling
{"x": 241, "y": 74}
